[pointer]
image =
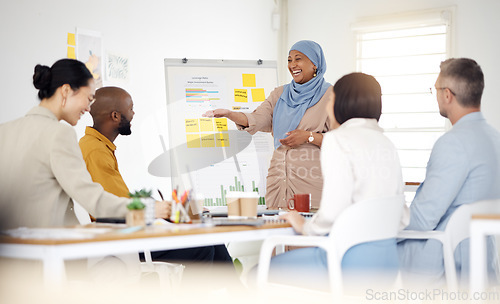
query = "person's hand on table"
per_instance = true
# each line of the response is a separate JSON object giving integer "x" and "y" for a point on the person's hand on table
{"x": 295, "y": 138}
{"x": 296, "y": 220}
{"x": 163, "y": 209}
{"x": 217, "y": 113}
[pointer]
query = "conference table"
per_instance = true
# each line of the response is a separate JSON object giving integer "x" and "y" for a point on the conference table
{"x": 54, "y": 246}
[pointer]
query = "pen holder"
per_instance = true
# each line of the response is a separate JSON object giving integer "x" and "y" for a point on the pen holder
{"x": 179, "y": 214}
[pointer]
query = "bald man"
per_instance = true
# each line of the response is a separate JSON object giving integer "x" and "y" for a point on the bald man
{"x": 112, "y": 112}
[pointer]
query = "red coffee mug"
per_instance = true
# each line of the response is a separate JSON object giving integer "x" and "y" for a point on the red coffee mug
{"x": 301, "y": 202}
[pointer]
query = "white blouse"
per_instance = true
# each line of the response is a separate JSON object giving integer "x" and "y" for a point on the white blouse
{"x": 358, "y": 163}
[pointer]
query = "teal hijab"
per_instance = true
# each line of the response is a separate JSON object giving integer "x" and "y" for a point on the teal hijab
{"x": 297, "y": 98}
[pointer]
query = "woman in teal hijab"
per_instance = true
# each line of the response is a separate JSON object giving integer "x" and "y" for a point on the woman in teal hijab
{"x": 295, "y": 115}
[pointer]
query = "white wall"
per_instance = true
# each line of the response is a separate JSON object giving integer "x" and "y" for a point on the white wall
{"x": 328, "y": 22}
{"x": 145, "y": 31}
{"x": 148, "y": 31}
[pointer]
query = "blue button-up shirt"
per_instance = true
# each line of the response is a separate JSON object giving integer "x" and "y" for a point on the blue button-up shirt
{"x": 464, "y": 167}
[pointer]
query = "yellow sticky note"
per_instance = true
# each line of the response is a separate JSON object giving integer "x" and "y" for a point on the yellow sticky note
{"x": 221, "y": 124}
{"x": 71, "y": 39}
{"x": 71, "y": 52}
{"x": 207, "y": 140}
{"x": 258, "y": 95}
{"x": 222, "y": 139}
{"x": 240, "y": 95}
{"x": 192, "y": 126}
{"x": 193, "y": 140}
{"x": 249, "y": 80}
{"x": 206, "y": 124}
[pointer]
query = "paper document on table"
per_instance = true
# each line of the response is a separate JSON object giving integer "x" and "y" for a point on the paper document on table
{"x": 55, "y": 233}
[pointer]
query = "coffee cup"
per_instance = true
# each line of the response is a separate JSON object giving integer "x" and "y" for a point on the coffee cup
{"x": 242, "y": 204}
{"x": 233, "y": 204}
{"x": 196, "y": 207}
{"x": 300, "y": 202}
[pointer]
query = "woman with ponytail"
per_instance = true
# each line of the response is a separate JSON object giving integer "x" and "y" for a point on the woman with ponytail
{"x": 41, "y": 164}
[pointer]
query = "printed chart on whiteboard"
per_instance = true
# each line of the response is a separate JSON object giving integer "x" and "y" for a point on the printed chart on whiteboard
{"x": 210, "y": 155}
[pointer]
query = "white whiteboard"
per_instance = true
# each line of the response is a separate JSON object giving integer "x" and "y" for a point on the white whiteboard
{"x": 207, "y": 154}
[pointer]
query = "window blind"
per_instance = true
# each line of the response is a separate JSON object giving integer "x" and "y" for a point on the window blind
{"x": 404, "y": 57}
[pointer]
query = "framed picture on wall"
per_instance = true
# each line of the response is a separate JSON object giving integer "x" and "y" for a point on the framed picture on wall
{"x": 117, "y": 67}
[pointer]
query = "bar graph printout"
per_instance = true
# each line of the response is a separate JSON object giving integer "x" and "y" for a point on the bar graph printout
{"x": 218, "y": 156}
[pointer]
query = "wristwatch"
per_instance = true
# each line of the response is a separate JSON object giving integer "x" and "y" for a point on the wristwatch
{"x": 311, "y": 137}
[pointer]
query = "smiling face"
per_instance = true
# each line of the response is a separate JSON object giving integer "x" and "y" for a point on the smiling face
{"x": 77, "y": 102}
{"x": 301, "y": 68}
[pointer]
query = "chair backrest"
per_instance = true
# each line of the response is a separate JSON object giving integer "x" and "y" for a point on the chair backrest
{"x": 457, "y": 228}
{"x": 370, "y": 220}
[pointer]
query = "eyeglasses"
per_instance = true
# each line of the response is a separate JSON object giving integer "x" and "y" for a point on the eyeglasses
{"x": 433, "y": 91}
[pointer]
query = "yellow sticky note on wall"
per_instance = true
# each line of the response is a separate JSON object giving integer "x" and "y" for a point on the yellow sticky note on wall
{"x": 248, "y": 80}
{"x": 207, "y": 140}
{"x": 240, "y": 95}
{"x": 192, "y": 126}
{"x": 222, "y": 139}
{"x": 71, "y": 39}
{"x": 71, "y": 52}
{"x": 221, "y": 124}
{"x": 193, "y": 140}
{"x": 258, "y": 95}
{"x": 206, "y": 124}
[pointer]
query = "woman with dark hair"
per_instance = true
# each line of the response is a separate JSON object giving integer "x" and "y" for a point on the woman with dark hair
{"x": 41, "y": 164}
{"x": 295, "y": 114}
{"x": 358, "y": 163}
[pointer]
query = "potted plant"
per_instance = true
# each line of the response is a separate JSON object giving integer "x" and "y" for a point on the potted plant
{"x": 135, "y": 214}
{"x": 141, "y": 208}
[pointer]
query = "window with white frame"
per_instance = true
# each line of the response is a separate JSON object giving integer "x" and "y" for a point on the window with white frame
{"x": 403, "y": 53}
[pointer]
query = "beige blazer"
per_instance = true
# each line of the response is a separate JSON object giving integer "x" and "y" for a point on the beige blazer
{"x": 41, "y": 169}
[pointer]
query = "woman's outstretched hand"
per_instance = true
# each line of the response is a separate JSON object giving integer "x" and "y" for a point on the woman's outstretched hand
{"x": 217, "y": 113}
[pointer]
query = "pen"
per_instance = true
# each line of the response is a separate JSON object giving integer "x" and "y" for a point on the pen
{"x": 174, "y": 196}
{"x": 184, "y": 197}
{"x": 161, "y": 195}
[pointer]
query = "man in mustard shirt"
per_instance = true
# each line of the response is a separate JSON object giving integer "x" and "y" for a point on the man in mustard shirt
{"x": 112, "y": 116}
{"x": 112, "y": 113}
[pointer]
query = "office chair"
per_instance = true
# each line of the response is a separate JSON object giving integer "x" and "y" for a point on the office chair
{"x": 455, "y": 232}
{"x": 367, "y": 221}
